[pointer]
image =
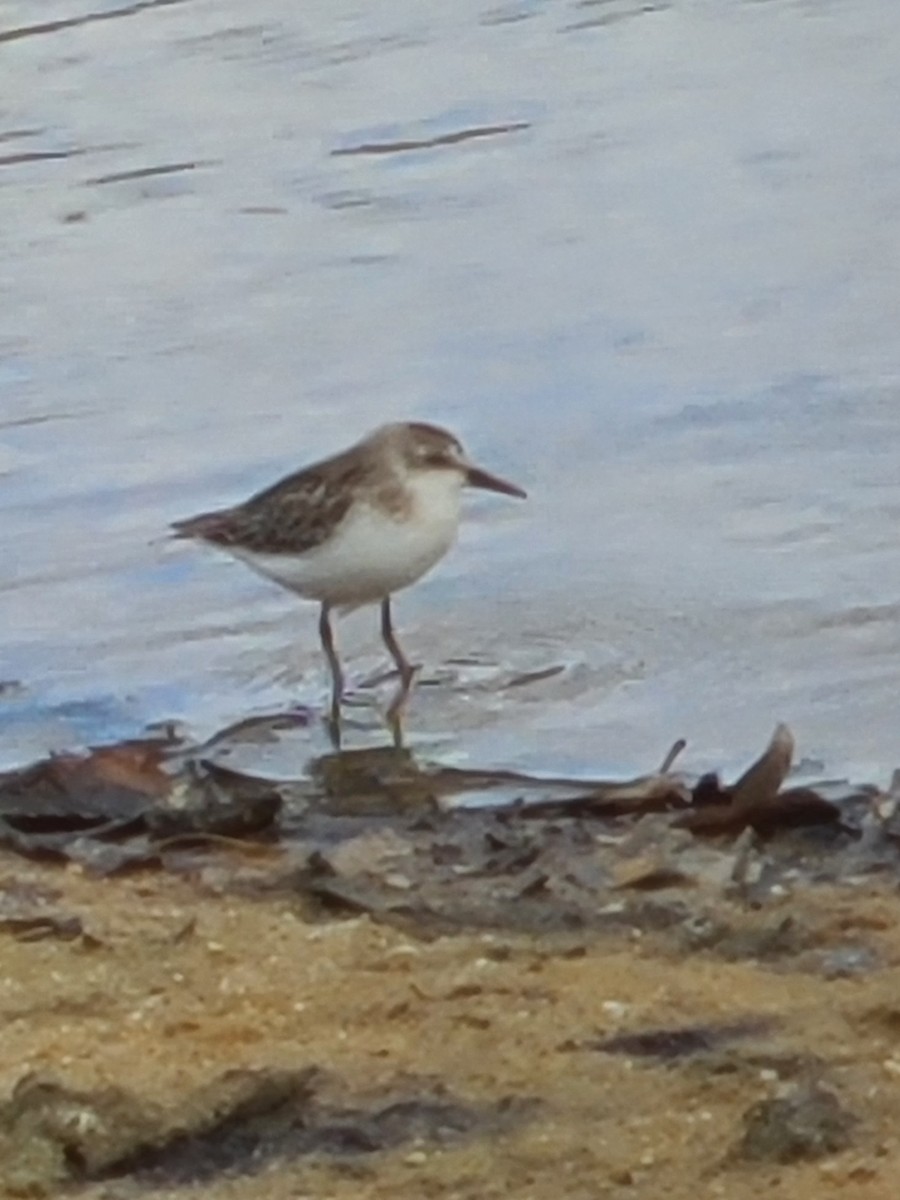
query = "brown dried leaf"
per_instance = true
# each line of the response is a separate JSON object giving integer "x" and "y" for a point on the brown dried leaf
{"x": 135, "y": 765}
{"x": 760, "y": 783}
{"x": 111, "y": 782}
{"x": 652, "y": 793}
{"x": 756, "y": 802}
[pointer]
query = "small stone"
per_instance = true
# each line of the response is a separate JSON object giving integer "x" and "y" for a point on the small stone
{"x": 848, "y": 961}
{"x": 406, "y": 950}
{"x": 807, "y": 1124}
{"x": 648, "y": 873}
{"x": 861, "y": 1173}
{"x": 623, "y": 1177}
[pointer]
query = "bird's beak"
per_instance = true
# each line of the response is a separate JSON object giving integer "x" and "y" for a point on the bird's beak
{"x": 476, "y": 477}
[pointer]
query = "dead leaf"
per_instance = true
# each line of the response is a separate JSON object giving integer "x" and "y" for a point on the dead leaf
{"x": 755, "y": 800}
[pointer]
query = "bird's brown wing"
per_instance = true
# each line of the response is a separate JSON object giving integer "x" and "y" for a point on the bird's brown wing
{"x": 292, "y": 516}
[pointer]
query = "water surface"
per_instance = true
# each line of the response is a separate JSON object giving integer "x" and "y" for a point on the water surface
{"x": 659, "y": 288}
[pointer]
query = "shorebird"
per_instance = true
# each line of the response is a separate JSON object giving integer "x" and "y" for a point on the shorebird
{"x": 355, "y": 528}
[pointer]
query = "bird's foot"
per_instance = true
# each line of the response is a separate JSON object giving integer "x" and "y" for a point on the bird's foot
{"x": 396, "y": 672}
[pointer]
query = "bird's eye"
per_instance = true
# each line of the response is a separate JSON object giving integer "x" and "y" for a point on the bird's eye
{"x": 436, "y": 459}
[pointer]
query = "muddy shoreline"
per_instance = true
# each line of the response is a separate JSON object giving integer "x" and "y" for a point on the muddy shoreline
{"x": 379, "y": 993}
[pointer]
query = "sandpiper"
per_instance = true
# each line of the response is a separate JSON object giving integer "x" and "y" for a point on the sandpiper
{"x": 355, "y": 528}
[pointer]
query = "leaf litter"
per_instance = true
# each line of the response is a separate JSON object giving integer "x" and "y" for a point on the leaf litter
{"x": 494, "y": 837}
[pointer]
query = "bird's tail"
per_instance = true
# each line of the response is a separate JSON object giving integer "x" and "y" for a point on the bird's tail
{"x": 209, "y": 526}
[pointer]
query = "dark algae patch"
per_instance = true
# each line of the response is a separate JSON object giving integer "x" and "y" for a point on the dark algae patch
{"x": 685, "y": 1042}
{"x": 238, "y": 1124}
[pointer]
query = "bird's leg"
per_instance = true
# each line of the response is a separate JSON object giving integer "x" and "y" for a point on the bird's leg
{"x": 404, "y": 666}
{"x": 394, "y": 719}
{"x": 337, "y": 675}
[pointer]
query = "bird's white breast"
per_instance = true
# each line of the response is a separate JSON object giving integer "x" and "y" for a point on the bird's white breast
{"x": 372, "y": 553}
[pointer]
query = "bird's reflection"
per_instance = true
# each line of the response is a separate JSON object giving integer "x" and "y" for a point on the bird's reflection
{"x": 393, "y": 716}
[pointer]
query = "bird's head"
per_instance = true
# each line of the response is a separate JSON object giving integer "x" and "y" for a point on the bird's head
{"x": 423, "y": 447}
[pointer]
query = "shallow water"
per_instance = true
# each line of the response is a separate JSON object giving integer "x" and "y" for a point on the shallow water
{"x": 660, "y": 291}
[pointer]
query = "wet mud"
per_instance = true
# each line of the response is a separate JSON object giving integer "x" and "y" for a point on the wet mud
{"x": 362, "y": 982}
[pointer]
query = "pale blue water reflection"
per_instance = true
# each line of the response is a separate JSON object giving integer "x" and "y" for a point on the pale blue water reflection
{"x": 668, "y": 306}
